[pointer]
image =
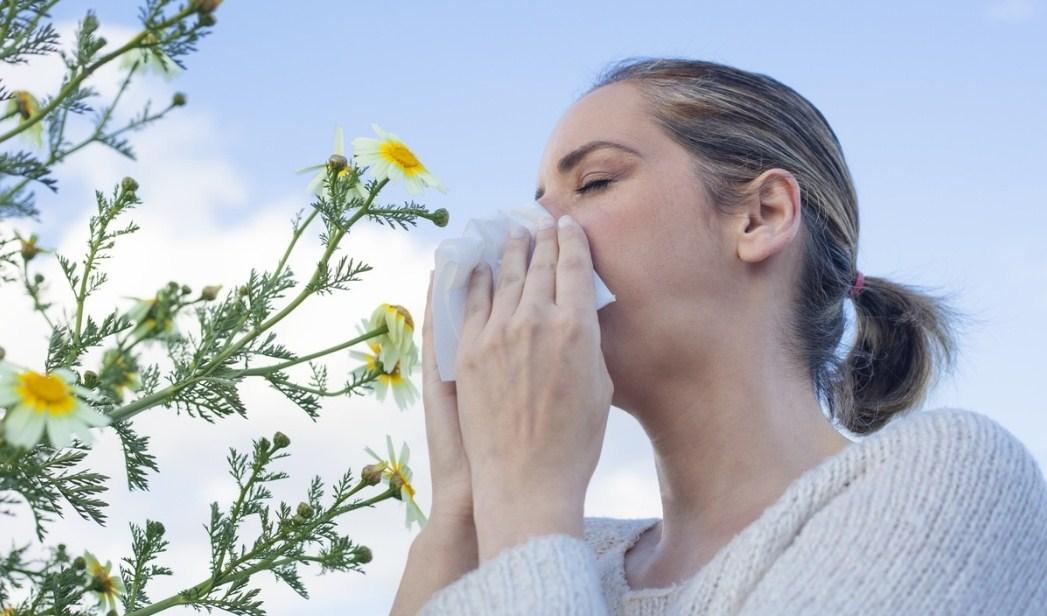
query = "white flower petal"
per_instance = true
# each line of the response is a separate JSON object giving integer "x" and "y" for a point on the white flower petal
{"x": 68, "y": 375}
{"x": 8, "y": 396}
{"x": 339, "y": 141}
{"x": 60, "y": 431}
{"x": 28, "y": 429}
{"x": 91, "y": 417}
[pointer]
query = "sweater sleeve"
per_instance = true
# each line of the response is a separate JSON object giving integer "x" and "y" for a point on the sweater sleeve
{"x": 548, "y": 574}
{"x": 949, "y": 519}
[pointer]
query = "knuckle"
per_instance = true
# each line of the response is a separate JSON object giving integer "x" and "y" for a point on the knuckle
{"x": 571, "y": 325}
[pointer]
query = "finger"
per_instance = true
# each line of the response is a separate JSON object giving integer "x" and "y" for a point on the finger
{"x": 540, "y": 285}
{"x": 430, "y": 372}
{"x": 574, "y": 269}
{"x": 477, "y": 304}
{"x": 511, "y": 274}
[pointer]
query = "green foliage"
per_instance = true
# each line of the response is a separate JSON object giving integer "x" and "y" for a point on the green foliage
{"x": 228, "y": 338}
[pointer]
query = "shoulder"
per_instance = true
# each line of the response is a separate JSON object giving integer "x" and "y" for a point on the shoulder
{"x": 955, "y": 449}
{"x": 939, "y": 511}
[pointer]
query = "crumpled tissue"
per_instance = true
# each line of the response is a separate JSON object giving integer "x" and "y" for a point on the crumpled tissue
{"x": 455, "y": 259}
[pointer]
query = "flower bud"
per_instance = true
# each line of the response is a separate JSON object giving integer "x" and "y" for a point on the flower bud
{"x": 280, "y": 440}
{"x": 38, "y": 278}
{"x": 441, "y": 217}
{"x": 186, "y": 289}
{"x": 210, "y": 292}
{"x": 79, "y": 563}
{"x": 207, "y": 6}
{"x": 363, "y": 554}
{"x": 3, "y": 353}
{"x": 129, "y": 184}
{"x": 90, "y": 379}
{"x": 265, "y": 444}
{"x": 305, "y": 511}
{"x": 207, "y": 20}
{"x": 337, "y": 162}
{"x": 157, "y": 528}
{"x": 243, "y": 290}
{"x": 111, "y": 613}
{"x": 372, "y": 474}
{"x": 178, "y": 100}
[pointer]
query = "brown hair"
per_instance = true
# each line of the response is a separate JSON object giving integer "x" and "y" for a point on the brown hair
{"x": 738, "y": 124}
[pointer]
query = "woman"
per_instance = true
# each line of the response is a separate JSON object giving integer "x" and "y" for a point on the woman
{"x": 717, "y": 205}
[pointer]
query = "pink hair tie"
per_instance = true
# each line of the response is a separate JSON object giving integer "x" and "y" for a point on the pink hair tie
{"x": 858, "y": 281}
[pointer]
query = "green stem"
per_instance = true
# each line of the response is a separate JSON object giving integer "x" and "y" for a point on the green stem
{"x": 34, "y": 293}
{"x": 229, "y": 577}
{"x": 264, "y": 370}
{"x": 90, "y": 69}
{"x": 130, "y": 410}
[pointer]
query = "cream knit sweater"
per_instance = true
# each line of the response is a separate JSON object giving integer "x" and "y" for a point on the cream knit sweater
{"x": 941, "y": 511}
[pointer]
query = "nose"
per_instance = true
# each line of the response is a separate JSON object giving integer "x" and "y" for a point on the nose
{"x": 549, "y": 205}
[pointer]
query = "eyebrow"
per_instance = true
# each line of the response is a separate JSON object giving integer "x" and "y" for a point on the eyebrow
{"x": 570, "y": 161}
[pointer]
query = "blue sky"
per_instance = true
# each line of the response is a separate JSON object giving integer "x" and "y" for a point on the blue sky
{"x": 941, "y": 108}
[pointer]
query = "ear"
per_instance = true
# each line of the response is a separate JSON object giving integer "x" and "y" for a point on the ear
{"x": 771, "y": 217}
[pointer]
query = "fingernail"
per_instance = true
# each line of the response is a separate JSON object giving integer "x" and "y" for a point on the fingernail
{"x": 567, "y": 221}
{"x": 545, "y": 222}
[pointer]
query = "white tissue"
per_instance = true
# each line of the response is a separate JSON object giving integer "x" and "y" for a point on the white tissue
{"x": 455, "y": 259}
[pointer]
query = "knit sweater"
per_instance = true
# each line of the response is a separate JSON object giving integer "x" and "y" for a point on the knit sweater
{"x": 941, "y": 511}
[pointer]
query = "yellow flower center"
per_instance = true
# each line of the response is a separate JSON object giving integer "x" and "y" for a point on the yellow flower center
{"x": 398, "y": 154}
{"x": 45, "y": 393}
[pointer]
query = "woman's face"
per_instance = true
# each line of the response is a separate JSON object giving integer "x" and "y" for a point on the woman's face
{"x": 654, "y": 238}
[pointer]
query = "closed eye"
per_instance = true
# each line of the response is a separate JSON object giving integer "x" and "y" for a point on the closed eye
{"x": 594, "y": 185}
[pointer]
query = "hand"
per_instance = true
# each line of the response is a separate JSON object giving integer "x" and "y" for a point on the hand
{"x": 533, "y": 389}
{"x": 452, "y": 491}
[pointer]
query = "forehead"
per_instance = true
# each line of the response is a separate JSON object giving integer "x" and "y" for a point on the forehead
{"x": 615, "y": 112}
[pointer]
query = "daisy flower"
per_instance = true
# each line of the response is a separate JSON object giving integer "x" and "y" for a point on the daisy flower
{"x": 396, "y": 472}
{"x": 397, "y": 344}
{"x": 388, "y": 157}
{"x": 316, "y": 185}
{"x": 26, "y": 106}
{"x": 103, "y": 583}
{"x": 150, "y": 59}
{"x": 404, "y": 391}
{"x": 36, "y": 402}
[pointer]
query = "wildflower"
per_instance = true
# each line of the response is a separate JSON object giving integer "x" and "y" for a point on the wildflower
{"x": 36, "y": 402}
{"x": 26, "y": 106}
{"x": 316, "y": 185}
{"x": 388, "y": 157}
{"x": 398, "y": 474}
{"x": 28, "y": 246}
{"x": 150, "y": 57}
{"x": 397, "y": 379}
{"x": 100, "y": 581}
{"x": 153, "y": 317}
{"x": 397, "y": 343}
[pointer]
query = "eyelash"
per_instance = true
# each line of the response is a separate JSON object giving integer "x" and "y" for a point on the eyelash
{"x": 594, "y": 185}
